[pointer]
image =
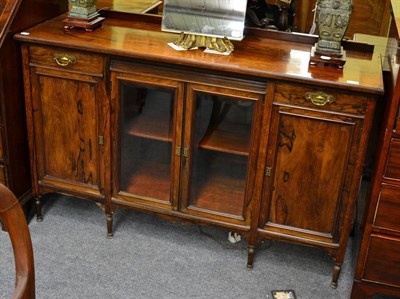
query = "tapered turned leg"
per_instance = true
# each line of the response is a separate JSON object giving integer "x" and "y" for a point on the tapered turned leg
{"x": 250, "y": 256}
{"x": 335, "y": 275}
{"x": 109, "y": 219}
{"x": 38, "y": 207}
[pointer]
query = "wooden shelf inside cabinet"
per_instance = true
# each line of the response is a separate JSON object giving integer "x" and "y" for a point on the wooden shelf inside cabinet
{"x": 145, "y": 176}
{"x": 151, "y": 127}
{"x": 219, "y": 182}
{"x": 220, "y": 197}
{"x": 229, "y": 138}
{"x": 225, "y": 135}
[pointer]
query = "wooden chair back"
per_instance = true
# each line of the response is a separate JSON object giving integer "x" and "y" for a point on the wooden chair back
{"x": 13, "y": 219}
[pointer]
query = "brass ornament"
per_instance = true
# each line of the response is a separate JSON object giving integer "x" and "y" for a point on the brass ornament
{"x": 189, "y": 41}
{"x": 64, "y": 60}
{"x": 319, "y": 98}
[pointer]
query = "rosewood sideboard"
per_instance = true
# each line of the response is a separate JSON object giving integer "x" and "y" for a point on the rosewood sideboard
{"x": 257, "y": 142}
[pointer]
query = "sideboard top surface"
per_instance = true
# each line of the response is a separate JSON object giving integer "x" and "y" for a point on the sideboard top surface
{"x": 254, "y": 56}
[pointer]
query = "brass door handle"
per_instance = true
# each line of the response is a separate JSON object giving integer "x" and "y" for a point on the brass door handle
{"x": 64, "y": 59}
{"x": 319, "y": 98}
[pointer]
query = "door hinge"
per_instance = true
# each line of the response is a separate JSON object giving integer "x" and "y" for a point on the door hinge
{"x": 177, "y": 151}
{"x": 268, "y": 171}
{"x": 101, "y": 140}
{"x": 185, "y": 152}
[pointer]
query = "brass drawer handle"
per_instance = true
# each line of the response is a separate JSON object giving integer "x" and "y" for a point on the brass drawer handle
{"x": 319, "y": 98}
{"x": 64, "y": 59}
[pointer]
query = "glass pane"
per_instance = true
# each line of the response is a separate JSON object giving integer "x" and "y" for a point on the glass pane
{"x": 146, "y": 140}
{"x": 221, "y": 153}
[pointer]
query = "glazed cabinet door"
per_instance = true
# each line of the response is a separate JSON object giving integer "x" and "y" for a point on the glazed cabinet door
{"x": 185, "y": 144}
{"x": 312, "y": 154}
{"x": 220, "y": 151}
{"x": 65, "y": 119}
{"x": 146, "y": 131}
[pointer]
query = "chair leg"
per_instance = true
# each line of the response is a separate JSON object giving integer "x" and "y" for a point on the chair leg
{"x": 29, "y": 210}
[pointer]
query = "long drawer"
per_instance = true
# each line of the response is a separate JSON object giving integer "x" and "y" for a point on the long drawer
{"x": 66, "y": 60}
{"x": 320, "y": 98}
{"x": 393, "y": 160}
{"x": 383, "y": 268}
{"x": 387, "y": 213}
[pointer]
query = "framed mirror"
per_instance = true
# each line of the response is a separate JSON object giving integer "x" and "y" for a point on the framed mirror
{"x": 131, "y": 6}
{"x": 369, "y": 17}
{"x": 210, "y": 18}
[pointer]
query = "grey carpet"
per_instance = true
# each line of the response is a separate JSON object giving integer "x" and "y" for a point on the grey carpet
{"x": 150, "y": 257}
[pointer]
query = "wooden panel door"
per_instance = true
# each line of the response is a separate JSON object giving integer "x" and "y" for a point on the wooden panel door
{"x": 68, "y": 134}
{"x": 310, "y": 163}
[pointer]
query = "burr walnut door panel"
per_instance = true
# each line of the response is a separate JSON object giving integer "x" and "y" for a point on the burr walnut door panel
{"x": 310, "y": 161}
{"x": 67, "y": 114}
